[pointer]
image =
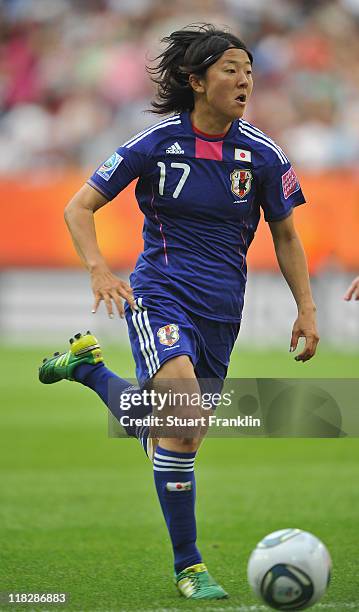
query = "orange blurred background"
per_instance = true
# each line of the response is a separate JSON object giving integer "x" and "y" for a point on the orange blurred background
{"x": 34, "y": 231}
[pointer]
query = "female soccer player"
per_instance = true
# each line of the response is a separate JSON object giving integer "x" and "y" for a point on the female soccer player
{"x": 203, "y": 175}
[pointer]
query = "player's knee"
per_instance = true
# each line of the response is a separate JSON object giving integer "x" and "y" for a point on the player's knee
{"x": 177, "y": 388}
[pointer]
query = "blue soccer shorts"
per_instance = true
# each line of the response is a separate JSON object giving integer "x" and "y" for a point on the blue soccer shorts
{"x": 162, "y": 329}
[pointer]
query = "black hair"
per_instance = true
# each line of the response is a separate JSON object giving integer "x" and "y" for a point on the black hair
{"x": 189, "y": 51}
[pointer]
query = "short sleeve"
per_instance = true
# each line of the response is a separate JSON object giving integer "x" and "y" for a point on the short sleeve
{"x": 280, "y": 191}
{"x": 118, "y": 171}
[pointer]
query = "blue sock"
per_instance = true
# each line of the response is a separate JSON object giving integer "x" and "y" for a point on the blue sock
{"x": 176, "y": 490}
{"x": 109, "y": 388}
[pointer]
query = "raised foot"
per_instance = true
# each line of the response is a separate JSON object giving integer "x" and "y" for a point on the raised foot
{"x": 83, "y": 349}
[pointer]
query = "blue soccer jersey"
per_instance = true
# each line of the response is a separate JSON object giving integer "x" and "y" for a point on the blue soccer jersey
{"x": 201, "y": 198}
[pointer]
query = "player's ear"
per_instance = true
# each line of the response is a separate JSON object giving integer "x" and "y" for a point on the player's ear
{"x": 196, "y": 83}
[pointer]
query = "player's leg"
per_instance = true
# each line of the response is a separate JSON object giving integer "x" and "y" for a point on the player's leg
{"x": 174, "y": 476}
{"x": 215, "y": 341}
{"x": 83, "y": 363}
{"x": 164, "y": 343}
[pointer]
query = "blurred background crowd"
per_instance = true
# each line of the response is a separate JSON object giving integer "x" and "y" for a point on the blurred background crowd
{"x": 73, "y": 83}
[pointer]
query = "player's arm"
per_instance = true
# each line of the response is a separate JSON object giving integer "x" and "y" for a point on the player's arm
{"x": 353, "y": 290}
{"x": 293, "y": 264}
{"x": 79, "y": 216}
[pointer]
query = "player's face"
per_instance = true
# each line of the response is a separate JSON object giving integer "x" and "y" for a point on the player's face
{"x": 228, "y": 84}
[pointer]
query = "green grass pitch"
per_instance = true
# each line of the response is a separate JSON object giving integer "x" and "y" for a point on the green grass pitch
{"x": 79, "y": 513}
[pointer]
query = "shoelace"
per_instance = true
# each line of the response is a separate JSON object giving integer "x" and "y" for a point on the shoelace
{"x": 195, "y": 580}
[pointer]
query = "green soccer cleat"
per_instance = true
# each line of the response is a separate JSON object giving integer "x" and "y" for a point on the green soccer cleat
{"x": 84, "y": 349}
{"x": 196, "y": 583}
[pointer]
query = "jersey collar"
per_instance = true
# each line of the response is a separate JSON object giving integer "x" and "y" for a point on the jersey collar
{"x": 187, "y": 124}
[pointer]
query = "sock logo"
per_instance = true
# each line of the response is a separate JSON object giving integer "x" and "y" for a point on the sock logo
{"x": 179, "y": 486}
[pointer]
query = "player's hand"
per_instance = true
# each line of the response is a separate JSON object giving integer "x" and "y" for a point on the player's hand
{"x": 305, "y": 327}
{"x": 353, "y": 290}
{"x": 111, "y": 290}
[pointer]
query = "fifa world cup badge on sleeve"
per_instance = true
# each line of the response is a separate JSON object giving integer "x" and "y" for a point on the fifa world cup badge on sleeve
{"x": 168, "y": 334}
{"x": 290, "y": 183}
{"x": 109, "y": 166}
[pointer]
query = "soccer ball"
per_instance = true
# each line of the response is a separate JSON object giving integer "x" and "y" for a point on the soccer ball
{"x": 289, "y": 569}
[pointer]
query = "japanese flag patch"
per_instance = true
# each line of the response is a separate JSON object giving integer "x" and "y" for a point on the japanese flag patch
{"x": 109, "y": 166}
{"x": 290, "y": 183}
{"x": 242, "y": 155}
{"x": 179, "y": 486}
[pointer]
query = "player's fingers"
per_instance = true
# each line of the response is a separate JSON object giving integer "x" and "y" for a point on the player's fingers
{"x": 294, "y": 340}
{"x": 122, "y": 290}
{"x": 108, "y": 303}
{"x": 309, "y": 350}
{"x": 349, "y": 294}
{"x": 353, "y": 290}
{"x": 303, "y": 356}
{"x": 119, "y": 303}
{"x": 97, "y": 301}
{"x": 127, "y": 287}
{"x": 127, "y": 294}
{"x": 131, "y": 300}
